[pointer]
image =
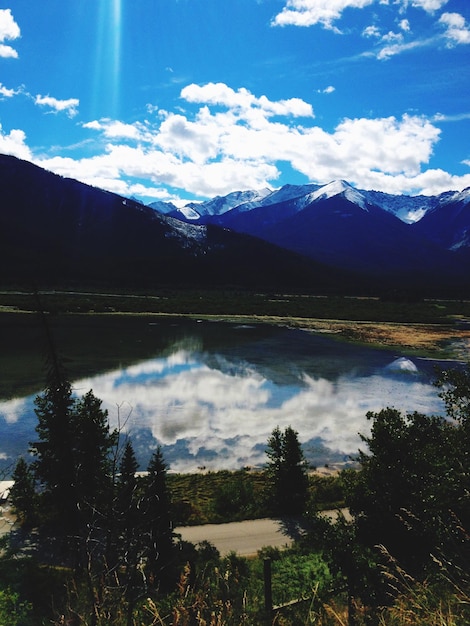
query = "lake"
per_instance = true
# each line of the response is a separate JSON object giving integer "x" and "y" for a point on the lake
{"x": 210, "y": 393}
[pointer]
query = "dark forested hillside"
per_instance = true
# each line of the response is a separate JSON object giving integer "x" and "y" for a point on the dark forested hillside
{"x": 60, "y": 232}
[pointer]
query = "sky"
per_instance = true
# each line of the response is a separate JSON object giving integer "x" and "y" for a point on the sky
{"x": 180, "y": 100}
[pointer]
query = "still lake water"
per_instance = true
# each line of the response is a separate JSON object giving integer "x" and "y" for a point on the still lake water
{"x": 212, "y": 392}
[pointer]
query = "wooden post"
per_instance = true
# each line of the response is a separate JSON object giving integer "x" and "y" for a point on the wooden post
{"x": 268, "y": 591}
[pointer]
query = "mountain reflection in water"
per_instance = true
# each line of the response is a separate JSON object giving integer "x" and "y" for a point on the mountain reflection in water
{"x": 214, "y": 394}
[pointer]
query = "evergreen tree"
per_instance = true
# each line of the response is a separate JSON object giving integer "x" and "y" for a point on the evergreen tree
{"x": 126, "y": 511}
{"x": 287, "y": 473}
{"x": 22, "y": 494}
{"x": 408, "y": 488}
{"x": 93, "y": 443}
{"x": 130, "y": 540}
{"x": 157, "y": 523}
{"x": 54, "y": 466}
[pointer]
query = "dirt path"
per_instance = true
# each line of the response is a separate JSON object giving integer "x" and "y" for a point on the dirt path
{"x": 244, "y": 538}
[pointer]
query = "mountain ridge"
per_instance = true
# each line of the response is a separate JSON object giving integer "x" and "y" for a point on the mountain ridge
{"x": 407, "y": 208}
{"x": 58, "y": 231}
{"x": 333, "y": 237}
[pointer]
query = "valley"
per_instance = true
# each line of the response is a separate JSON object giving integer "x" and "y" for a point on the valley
{"x": 434, "y": 328}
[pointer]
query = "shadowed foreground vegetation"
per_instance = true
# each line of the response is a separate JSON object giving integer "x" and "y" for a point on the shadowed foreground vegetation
{"x": 105, "y": 554}
{"x": 95, "y": 542}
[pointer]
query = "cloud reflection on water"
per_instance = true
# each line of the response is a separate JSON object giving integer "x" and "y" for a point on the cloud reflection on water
{"x": 217, "y": 406}
{"x": 222, "y": 417}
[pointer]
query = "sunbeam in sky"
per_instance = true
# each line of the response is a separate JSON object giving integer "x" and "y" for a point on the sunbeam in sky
{"x": 184, "y": 100}
{"x": 107, "y": 66}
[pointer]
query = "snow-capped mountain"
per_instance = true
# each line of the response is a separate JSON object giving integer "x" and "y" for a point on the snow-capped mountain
{"x": 199, "y": 212}
{"x": 408, "y": 209}
{"x": 57, "y": 231}
{"x": 447, "y": 223}
{"x": 366, "y": 231}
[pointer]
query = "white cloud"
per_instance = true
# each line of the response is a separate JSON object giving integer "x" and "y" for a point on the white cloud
{"x": 113, "y": 129}
{"x": 230, "y": 142}
{"x": 70, "y": 106}
{"x": 14, "y": 144}
{"x": 391, "y": 50}
{"x": 430, "y": 6}
{"x": 329, "y": 89}
{"x": 9, "y": 30}
{"x": 457, "y": 31}
{"x": 311, "y": 12}
{"x": 371, "y": 31}
{"x": 405, "y": 25}
{"x": 243, "y": 100}
{"x": 7, "y": 93}
{"x": 397, "y": 38}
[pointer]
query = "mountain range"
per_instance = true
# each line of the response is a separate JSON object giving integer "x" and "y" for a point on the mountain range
{"x": 56, "y": 231}
{"x": 413, "y": 239}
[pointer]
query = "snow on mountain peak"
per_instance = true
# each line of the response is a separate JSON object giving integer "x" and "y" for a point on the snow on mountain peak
{"x": 340, "y": 187}
{"x": 458, "y": 196}
{"x": 222, "y": 204}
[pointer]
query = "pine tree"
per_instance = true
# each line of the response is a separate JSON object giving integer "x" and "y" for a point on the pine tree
{"x": 54, "y": 466}
{"x": 22, "y": 494}
{"x": 130, "y": 542}
{"x": 157, "y": 523}
{"x": 126, "y": 511}
{"x": 93, "y": 444}
{"x": 287, "y": 473}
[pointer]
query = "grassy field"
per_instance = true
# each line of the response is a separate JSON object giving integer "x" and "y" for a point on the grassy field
{"x": 439, "y": 328}
{"x": 228, "y": 302}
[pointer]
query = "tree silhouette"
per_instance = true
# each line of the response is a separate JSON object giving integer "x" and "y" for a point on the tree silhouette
{"x": 287, "y": 472}
{"x": 407, "y": 491}
{"x": 157, "y": 523}
{"x": 22, "y": 494}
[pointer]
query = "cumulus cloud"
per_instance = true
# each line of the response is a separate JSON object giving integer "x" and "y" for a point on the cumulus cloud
{"x": 457, "y": 30}
{"x": 114, "y": 129}
{"x": 371, "y": 31}
{"x": 7, "y": 93}
{"x": 326, "y": 12}
{"x": 430, "y": 6}
{"x": 70, "y": 106}
{"x": 311, "y": 12}
{"x": 243, "y": 100}
{"x": 235, "y": 140}
{"x": 225, "y": 410}
{"x": 9, "y": 30}
{"x": 14, "y": 143}
{"x": 405, "y": 25}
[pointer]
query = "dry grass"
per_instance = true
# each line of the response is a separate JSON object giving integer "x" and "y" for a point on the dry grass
{"x": 438, "y": 340}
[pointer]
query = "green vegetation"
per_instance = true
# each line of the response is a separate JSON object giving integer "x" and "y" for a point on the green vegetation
{"x": 403, "y": 558}
{"x": 287, "y": 473}
{"x": 225, "y": 496}
{"x": 235, "y": 302}
{"x": 95, "y": 546}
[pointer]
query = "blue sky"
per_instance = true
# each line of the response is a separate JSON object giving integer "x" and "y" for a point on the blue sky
{"x": 188, "y": 99}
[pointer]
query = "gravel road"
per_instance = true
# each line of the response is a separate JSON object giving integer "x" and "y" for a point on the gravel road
{"x": 244, "y": 538}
